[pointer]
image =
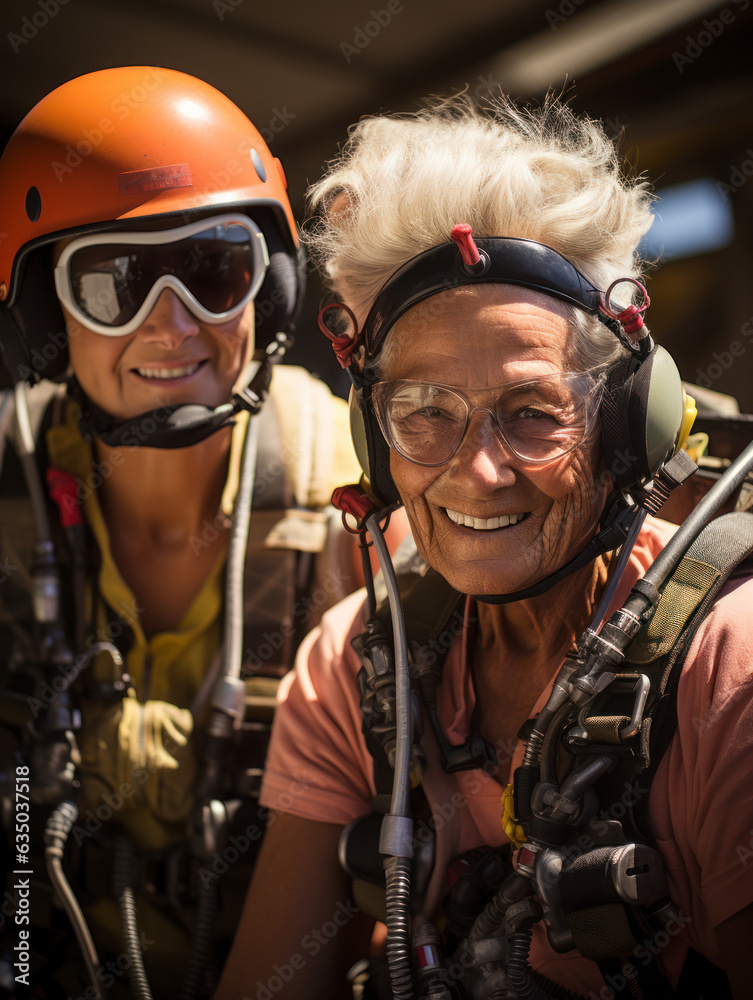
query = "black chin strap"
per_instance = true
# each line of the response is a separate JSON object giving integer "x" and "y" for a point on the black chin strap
{"x": 176, "y": 426}
{"x": 616, "y": 524}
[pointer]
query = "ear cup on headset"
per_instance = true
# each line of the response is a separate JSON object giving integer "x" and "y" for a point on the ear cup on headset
{"x": 372, "y": 451}
{"x": 641, "y": 415}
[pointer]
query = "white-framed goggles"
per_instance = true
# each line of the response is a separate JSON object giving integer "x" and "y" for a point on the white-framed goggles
{"x": 110, "y": 282}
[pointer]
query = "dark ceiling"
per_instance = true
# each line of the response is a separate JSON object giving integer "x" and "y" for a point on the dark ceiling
{"x": 673, "y": 78}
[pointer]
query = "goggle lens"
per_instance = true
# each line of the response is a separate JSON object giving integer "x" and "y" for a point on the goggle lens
{"x": 540, "y": 419}
{"x": 111, "y": 282}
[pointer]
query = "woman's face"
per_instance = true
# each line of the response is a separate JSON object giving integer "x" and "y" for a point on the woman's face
{"x": 473, "y": 339}
{"x": 172, "y": 358}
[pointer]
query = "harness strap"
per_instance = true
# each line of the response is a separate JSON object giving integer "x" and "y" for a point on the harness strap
{"x": 660, "y": 650}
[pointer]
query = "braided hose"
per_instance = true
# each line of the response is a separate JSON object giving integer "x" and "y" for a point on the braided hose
{"x": 56, "y": 834}
{"x": 201, "y": 952}
{"x": 397, "y": 871}
{"x": 122, "y": 878}
{"x": 492, "y": 917}
{"x": 518, "y": 972}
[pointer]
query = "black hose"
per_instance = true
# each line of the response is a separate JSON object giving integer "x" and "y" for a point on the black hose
{"x": 122, "y": 878}
{"x": 490, "y": 920}
{"x": 680, "y": 542}
{"x": 201, "y": 951}
{"x": 56, "y": 834}
{"x": 397, "y": 872}
{"x": 518, "y": 972}
{"x": 550, "y": 744}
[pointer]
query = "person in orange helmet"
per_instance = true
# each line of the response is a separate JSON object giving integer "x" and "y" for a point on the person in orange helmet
{"x": 164, "y": 527}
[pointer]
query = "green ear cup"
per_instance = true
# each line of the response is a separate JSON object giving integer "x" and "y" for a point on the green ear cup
{"x": 664, "y": 411}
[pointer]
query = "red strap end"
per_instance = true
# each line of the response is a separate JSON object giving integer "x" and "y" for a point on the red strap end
{"x": 461, "y": 235}
{"x": 63, "y": 490}
{"x": 352, "y": 500}
{"x": 343, "y": 344}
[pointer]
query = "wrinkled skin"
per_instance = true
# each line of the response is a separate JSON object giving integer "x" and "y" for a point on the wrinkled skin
{"x": 475, "y": 338}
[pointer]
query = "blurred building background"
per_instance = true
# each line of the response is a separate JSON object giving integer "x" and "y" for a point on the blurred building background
{"x": 671, "y": 79}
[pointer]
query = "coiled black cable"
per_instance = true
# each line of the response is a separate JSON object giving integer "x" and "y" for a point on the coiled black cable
{"x": 201, "y": 950}
{"x": 518, "y": 973}
{"x": 122, "y": 879}
{"x": 397, "y": 872}
{"x": 520, "y": 977}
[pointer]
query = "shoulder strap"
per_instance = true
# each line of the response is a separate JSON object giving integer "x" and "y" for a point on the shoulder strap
{"x": 723, "y": 545}
{"x": 659, "y": 649}
{"x": 315, "y": 446}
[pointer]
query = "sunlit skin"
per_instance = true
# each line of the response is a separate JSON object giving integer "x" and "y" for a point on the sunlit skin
{"x": 156, "y": 501}
{"x": 479, "y": 339}
{"x": 482, "y": 338}
{"x": 170, "y": 337}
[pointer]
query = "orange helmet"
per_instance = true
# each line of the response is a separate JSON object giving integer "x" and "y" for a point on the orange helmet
{"x": 120, "y": 146}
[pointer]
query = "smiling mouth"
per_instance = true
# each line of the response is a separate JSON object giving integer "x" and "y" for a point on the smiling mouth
{"x": 166, "y": 374}
{"x": 484, "y": 523}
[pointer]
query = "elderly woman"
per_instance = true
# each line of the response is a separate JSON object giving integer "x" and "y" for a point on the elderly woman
{"x": 499, "y": 400}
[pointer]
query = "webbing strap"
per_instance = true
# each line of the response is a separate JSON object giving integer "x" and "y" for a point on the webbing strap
{"x": 661, "y": 645}
{"x": 660, "y": 649}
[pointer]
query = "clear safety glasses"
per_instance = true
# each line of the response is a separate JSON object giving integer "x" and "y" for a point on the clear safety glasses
{"x": 110, "y": 281}
{"x": 539, "y": 419}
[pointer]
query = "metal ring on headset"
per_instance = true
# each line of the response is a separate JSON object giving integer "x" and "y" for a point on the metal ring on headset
{"x": 606, "y": 299}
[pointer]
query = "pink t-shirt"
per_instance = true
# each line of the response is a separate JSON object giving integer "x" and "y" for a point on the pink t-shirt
{"x": 700, "y": 804}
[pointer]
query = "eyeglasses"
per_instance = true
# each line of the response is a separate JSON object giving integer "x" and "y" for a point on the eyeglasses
{"x": 539, "y": 419}
{"x": 110, "y": 281}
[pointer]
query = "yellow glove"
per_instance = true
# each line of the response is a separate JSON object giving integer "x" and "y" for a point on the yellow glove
{"x": 141, "y": 753}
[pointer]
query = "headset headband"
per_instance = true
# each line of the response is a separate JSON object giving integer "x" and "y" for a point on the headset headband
{"x": 499, "y": 260}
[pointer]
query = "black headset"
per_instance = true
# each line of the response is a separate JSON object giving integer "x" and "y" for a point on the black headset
{"x": 643, "y": 407}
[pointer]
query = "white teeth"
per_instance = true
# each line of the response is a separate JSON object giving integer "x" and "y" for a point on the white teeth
{"x": 481, "y": 523}
{"x": 168, "y": 372}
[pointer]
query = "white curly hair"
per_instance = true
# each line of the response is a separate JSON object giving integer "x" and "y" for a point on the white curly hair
{"x": 401, "y": 182}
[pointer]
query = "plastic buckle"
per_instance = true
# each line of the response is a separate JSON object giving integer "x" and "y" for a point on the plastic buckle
{"x": 639, "y": 687}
